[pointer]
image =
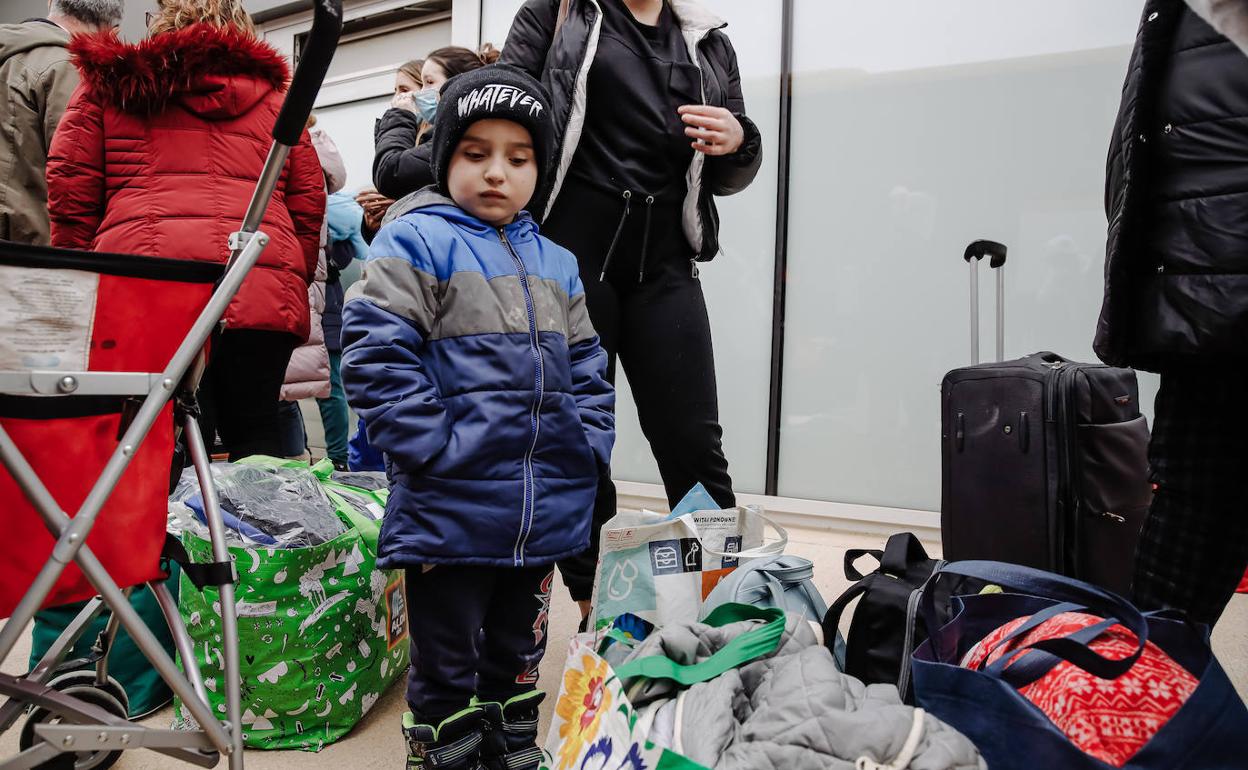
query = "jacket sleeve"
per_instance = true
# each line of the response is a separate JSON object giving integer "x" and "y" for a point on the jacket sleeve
{"x": 728, "y": 174}
{"x": 305, "y": 200}
{"x": 532, "y": 31}
{"x": 332, "y": 165}
{"x": 400, "y": 165}
{"x": 385, "y": 323}
{"x": 54, "y": 90}
{"x": 75, "y": 173}
{"x": 595, "y": 396}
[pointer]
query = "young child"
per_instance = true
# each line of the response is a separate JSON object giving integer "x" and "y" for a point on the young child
{"x": 469, "y": 354}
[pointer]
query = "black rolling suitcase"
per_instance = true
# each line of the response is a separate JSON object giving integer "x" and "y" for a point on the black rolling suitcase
{"x": 1044, "y": 460}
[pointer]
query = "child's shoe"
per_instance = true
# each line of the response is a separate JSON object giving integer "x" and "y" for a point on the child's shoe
{"x": 455, "y": 744}
{"x": 511, "y": 733}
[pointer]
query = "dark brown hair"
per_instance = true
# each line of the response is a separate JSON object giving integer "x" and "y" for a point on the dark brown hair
{"x": 455, "y": 60}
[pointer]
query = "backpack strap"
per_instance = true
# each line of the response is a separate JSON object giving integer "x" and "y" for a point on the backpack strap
{"x": 853, "y": 555}
{"x": 903, "y": 550}
{"x": 832, "y": 618}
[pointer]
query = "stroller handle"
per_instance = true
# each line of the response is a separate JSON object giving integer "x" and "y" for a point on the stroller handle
{"x": 318, "y": 52}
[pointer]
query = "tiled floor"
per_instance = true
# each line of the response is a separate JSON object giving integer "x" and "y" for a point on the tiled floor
{"x": 376, "y": 742}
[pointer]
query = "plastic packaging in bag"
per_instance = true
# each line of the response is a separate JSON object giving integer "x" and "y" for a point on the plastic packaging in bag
{"x": 370, "y": 480}
{"x": 264, "y": 506}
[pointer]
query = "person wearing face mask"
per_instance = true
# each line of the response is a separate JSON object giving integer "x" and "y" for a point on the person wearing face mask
{"x": 401, "y": 159}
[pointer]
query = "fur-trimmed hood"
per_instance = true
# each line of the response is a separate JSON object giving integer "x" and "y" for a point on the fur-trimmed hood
{"x": 217, "y": 72}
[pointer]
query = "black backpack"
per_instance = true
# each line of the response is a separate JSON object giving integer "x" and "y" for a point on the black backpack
{"x": 884, "y": 630}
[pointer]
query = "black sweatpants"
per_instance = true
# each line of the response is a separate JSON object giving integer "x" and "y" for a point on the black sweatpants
{"x": 474, "y": 631}
{"x": 650, "y": 313}
{"x": 240, "y": 390}
{"x": 1194, "y": 547}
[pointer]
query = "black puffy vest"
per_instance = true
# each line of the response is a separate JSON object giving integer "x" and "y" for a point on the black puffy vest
{"x": 1177, "y": 199}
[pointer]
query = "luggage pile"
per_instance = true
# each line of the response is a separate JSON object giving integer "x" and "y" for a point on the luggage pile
{"x": 757, "y": 681}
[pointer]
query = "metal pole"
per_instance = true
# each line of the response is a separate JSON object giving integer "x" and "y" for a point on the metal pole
{"x": 181, "y": 639}
{"x": 147, "y": 643}
{"x": 109, "y": 637}
{"x": 771, "y": 481}
{"x": 974, "y": 263}
{"x": 229, "y": 612}
{"x": 1001, "y": 313}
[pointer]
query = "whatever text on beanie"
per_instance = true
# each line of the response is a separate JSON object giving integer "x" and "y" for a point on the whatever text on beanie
{"x": 499, "y": 92}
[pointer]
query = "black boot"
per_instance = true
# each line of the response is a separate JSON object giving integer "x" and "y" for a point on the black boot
{"x": 454, "y": 744}
{"x": 511, "y": 733}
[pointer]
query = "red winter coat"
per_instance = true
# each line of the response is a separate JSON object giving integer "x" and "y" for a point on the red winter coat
{"x": 160, "y": 149}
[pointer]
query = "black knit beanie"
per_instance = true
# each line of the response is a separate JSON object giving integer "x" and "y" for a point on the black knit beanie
{"x": 501, "y": 92}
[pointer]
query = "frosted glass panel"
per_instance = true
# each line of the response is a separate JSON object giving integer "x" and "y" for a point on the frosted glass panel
{"x": 738, "y": 283}
{"x": 919, "y": 126}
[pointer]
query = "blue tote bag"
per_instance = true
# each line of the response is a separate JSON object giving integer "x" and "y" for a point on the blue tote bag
{"x": 1209, "y": 732}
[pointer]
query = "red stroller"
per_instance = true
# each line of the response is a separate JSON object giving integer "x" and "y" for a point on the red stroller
{"x": 100, "y": 357}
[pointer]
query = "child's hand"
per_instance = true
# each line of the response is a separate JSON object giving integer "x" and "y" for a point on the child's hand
{"x": 715, "y": 130}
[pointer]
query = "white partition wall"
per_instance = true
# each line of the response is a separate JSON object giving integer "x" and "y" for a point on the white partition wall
{"x": 919, "y": 126}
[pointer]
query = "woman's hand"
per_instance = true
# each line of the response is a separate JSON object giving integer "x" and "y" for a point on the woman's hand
{"x": 714, "y": 130}
{"x": 404, "y": 101}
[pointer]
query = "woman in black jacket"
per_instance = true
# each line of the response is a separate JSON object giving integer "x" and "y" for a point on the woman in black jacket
{"x": 648, "y": 98}
{"x": 1176, "y": 292}
{"x": 401, "y": 148}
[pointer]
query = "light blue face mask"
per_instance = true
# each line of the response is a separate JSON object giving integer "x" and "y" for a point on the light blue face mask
{"x": 426, "y": 103}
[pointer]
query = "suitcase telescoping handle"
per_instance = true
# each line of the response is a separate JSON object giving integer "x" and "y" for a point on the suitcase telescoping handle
{"x": 976, "y": 251}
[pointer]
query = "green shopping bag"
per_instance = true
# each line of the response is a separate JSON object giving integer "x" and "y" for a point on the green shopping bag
{"x": 322, "y": 632}
{"x": 146, "y": 692}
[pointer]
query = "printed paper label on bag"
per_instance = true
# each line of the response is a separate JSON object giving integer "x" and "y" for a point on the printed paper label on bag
{"x": 45, "y": 318}
{"x": 396, "y": 614}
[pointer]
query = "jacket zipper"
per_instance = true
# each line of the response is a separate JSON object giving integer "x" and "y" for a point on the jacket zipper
{"x": 535, "y": 421}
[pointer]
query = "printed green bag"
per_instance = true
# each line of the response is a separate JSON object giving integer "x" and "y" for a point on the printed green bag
{"x": 323, "y": 633}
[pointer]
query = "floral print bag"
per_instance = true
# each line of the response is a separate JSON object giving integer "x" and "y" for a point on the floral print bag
{"x": 595, "y": 727}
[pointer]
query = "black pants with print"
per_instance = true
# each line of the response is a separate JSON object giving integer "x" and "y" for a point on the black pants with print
{"x": 474, "y": 631}
{"x": 649, "y": 312}
{"x": 1194, "y": 547}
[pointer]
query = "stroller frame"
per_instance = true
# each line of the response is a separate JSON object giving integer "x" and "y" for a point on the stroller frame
{"x": 85, "y": 726}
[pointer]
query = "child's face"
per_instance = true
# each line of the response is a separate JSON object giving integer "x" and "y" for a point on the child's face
{"x": 493, "y": 171}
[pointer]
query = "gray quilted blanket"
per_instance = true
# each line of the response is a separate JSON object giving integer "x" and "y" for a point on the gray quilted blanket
{"x": 791, "y": 710}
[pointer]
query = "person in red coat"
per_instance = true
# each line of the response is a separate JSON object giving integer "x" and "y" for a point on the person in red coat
{"x": 158, "y": 153}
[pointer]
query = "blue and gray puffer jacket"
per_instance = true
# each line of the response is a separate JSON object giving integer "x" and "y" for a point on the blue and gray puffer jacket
{"x": 469, "y": 354}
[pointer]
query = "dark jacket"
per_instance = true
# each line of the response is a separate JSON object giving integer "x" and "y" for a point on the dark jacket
{"x": 1176, "y": 264}
{"x": 469, "y": 354}
{"x": 563, "y": 66}
{"x": 159, "y": 152}
{"x": 38, "y": 81}
{"x": 400, "y": 165}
